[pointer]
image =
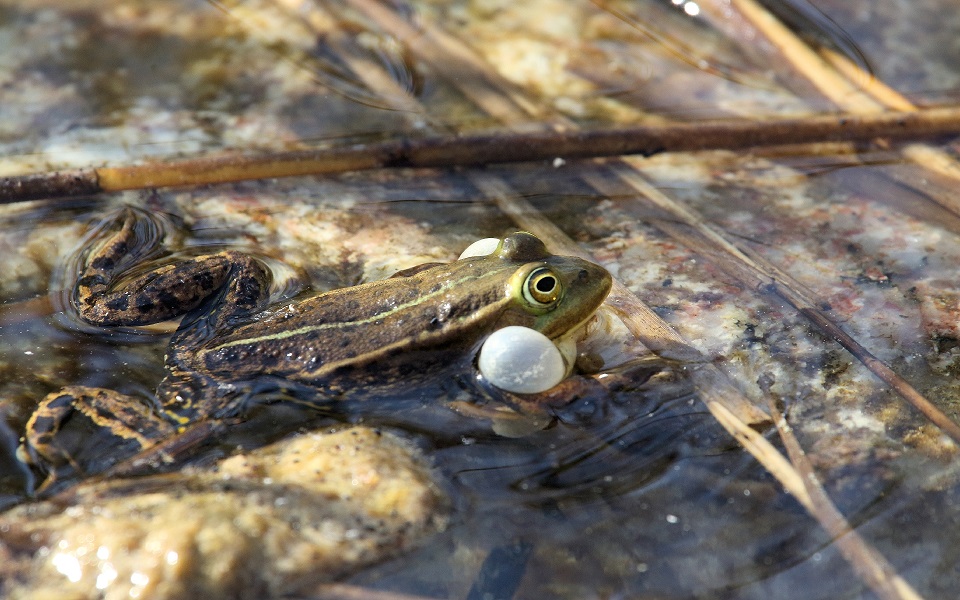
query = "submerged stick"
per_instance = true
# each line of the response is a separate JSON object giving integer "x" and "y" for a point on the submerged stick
{"x": 488, "y": 148}
{"x": 872, "y": 567}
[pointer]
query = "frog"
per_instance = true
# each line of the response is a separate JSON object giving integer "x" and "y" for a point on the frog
{"x": 359, "y": 340}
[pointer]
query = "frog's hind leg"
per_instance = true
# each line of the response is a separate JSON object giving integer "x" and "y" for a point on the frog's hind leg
{"x": 103, "y": 297}
{"x": 116, "y": 426}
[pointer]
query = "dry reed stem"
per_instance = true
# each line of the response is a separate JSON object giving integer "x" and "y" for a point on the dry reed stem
{"x": 837, "y": 88}
{"x": 849, "y": 87}
{"x": 343, "y": 591}
{"x": 871, "y": 566}
{"x": 872, "y": 86}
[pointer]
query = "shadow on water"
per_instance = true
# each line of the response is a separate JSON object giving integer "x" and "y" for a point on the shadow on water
{"x": 622, "y": 493}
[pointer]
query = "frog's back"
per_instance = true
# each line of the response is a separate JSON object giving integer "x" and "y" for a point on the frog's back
{"x": 442, "y": 309}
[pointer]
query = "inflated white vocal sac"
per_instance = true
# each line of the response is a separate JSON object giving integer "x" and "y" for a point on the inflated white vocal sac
{"x": 483, "y": 247}
{"x": 523, "y": 360}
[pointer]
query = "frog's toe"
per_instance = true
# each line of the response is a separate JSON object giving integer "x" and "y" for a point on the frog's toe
{"x": 82, "y": 431}
{"x": 40, "y": 448}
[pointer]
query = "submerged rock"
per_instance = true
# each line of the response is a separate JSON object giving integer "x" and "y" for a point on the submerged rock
{"x": 271, "y": 522}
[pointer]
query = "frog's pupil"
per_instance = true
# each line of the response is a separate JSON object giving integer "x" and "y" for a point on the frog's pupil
{"x": 546, "y": 284}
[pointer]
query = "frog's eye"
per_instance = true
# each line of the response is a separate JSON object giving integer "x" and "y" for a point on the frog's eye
{"x": 542, "y": 287}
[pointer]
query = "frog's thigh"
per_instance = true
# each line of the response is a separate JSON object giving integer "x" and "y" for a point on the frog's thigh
{"x": 124, "y": 416}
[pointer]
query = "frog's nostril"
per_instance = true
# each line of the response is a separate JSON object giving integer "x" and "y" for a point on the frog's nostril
{"x": 583, "y": 274}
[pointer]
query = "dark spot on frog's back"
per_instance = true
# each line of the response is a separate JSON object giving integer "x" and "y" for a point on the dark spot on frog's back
{"x": 167, "y": 300}
{"x": 203, "y": 280}
{"x": 119, "y": 303}
{"x": 61, "y": 401}
{"x": 267, "y": 360}
{"x": 344, "y": 370}
{"x": 43, "y": 423}
{"x": 103, "y": 263}
{"x": 249, "y": 286}
{"x": 406, "y": 369}
{"x": 144, "y": 303}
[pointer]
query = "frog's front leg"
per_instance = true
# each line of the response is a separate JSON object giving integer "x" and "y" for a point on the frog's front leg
{"x": 59, "y": 442}
{"x": 103, "y": 298}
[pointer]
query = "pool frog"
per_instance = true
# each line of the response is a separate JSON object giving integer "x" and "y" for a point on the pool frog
{"x": 365, "y": 338}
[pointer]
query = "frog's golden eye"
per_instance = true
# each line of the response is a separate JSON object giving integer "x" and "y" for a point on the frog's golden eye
{"x": 542, "y": 287}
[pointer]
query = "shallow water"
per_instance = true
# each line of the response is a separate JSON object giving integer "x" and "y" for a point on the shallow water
{"x": 636, "y": 493}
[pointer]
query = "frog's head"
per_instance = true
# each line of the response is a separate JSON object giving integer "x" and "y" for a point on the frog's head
{"x": 549, "y": 293}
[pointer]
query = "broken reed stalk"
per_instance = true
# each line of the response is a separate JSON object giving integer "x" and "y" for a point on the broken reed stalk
{"x": 848, "y": 87}
{"x": 489, "y": 148}
{"x": 871, "y": 566}
{"x": 755, "y": 272}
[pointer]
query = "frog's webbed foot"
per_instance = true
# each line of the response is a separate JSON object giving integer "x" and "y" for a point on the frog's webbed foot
{"x": 82, "y": 431}
{"x": 105, "y": 298}
{"x": 515, "y": 415}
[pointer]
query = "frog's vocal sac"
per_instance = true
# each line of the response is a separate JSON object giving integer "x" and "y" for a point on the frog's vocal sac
{"x": 352, "y": 340}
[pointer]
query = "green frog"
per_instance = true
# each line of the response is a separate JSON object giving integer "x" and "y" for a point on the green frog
{"x": 370, "y": 337}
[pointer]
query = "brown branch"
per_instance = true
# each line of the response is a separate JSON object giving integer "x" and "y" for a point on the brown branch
{"x": 489, "y": 148}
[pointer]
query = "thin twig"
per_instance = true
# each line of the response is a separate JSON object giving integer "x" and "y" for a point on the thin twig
{"x": 487, "y": 148}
